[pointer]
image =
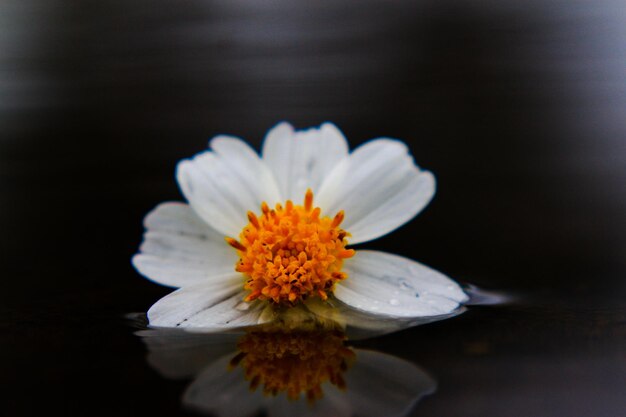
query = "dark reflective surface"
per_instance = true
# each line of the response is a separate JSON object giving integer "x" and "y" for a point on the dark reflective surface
{"x": 517, "y": 109}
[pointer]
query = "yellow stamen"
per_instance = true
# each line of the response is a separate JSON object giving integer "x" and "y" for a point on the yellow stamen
{"x": 291, "y": 253}
{"x": 253, "y": 220}
{"x": 308, "y": 200}
{"x": 346, "y": 253}
{"x": 235, "y": 244}
{"x": 338, "y": 219}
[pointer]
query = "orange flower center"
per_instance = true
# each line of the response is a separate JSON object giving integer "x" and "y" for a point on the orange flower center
{"x": 291, "y": 253}
{"x": 294, "y": 362}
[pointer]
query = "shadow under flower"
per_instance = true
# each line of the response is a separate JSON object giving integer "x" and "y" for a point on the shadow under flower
{"x": 285, "y": 370}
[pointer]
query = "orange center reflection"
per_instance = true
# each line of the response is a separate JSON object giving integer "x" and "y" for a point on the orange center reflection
{"x": 296, "y": 362}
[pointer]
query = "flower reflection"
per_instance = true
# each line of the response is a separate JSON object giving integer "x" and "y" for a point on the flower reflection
{"x": 304, "y": 371}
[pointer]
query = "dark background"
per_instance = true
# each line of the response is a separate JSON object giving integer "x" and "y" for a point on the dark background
{"x": 519, "y": 108}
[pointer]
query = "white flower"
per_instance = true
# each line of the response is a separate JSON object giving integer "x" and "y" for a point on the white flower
{"x": 263, "y": 234}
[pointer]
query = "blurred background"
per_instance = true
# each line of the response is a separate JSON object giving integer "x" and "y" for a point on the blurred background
{"x": 519, "y": 108}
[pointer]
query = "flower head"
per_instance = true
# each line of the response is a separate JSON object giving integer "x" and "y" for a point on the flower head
{"x": 290, "y": 254}
{"x": 265, "y": 234}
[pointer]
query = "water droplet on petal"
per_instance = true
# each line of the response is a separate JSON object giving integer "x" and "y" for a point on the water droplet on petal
{"x": 394, "y": 302}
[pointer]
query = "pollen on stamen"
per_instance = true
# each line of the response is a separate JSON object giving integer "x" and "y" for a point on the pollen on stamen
{"x": 308, "y": 200}
{"x": 235, "y": 244}
{"x": 338, "y": 219}
{"x": 291, "y": 253}
{"x": 346, "y": 253}
{"x": 316, "y": 214}
{"x": 253, "y": 220}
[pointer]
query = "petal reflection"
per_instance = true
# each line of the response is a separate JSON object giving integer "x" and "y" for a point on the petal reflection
{"x": 284, "y": 371}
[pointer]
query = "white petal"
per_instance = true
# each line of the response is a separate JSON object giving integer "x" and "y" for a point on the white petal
{"x": 383, "y": 385}
{"x": 379, "y": 187}
{"x": 180, "y": 249}
{"x": 302, "y": 159}
{"x": 390, "y": 285}
{"x": 212, "y": 305}
{"x": 359, "y": 324}
{"x": 223, "y": 185}
{"x": 223, "y": 391}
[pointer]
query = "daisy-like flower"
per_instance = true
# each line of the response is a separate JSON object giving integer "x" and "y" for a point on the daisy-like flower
{"x": 262, "y": 234}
